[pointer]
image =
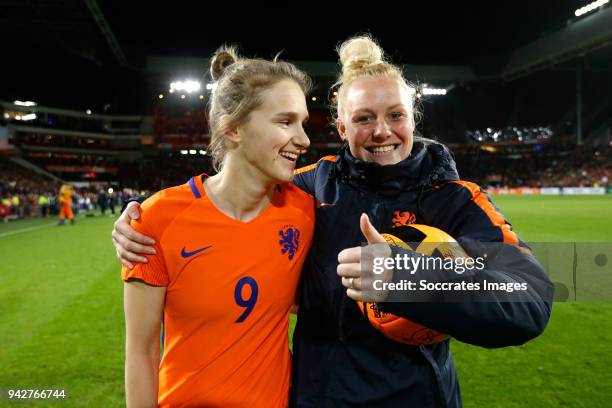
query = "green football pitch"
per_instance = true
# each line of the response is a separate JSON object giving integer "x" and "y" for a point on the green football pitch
{"x": 61, "y": 311}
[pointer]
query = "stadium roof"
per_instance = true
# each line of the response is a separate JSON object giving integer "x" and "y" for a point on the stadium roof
{"x": 56, "y": 46}
{"x": 415, "y": 32}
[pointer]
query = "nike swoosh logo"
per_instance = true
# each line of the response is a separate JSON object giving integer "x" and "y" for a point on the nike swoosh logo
{"x": 186, "y": 254}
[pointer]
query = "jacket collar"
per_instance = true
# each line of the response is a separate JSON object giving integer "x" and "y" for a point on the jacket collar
{"x": 429, "y": 163}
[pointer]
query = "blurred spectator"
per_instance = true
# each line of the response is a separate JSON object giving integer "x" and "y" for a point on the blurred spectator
{"x": 112, "y": 202}
{"x": 4, "y": 212}
{"x": 103, "y": 202}
{"x": 44, "y": 202}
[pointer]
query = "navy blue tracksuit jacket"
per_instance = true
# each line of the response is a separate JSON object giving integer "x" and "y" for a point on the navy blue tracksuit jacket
{"x": 339, "y": 359}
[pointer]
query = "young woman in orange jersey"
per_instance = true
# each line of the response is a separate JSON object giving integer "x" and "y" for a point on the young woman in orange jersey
{"x": 229, "y": 251}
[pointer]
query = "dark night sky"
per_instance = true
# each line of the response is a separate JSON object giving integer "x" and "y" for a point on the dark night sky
{"x": 53, "y": 51}
{"x": 416, "y": 32}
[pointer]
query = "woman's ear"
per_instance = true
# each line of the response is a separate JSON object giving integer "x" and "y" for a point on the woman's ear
{"x": 341, "y": 129}
{"x": 232, "y": 134}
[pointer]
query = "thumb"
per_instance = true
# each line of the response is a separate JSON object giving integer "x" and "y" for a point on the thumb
{"x": 369, "y": 232}
{"x": 133, "y": 210}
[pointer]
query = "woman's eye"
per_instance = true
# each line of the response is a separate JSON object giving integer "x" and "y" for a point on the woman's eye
{"x": 397, "y": 115}
{"x": 364, "y": 119}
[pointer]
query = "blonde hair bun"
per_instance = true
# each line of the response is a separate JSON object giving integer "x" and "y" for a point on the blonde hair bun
{"x": 359, "y": 53}
{"x": 361, "y": 57}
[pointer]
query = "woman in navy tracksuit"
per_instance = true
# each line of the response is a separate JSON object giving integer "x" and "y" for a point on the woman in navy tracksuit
{"x": 396, "y": 179}
{"x": 339, "y": 358}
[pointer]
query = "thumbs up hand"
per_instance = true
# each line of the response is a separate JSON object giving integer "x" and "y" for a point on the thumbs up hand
{"x": 357, "y": 272}
{"x": 369, "y": 232}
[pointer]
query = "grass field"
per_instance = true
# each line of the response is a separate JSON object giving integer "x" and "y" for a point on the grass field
{"x": 62, "y": 316}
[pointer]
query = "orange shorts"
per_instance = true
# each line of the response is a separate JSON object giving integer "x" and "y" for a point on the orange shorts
{"x": 66, "y": 212}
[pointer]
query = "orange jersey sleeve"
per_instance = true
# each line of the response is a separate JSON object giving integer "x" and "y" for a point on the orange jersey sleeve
{"x": 157, "y": 212}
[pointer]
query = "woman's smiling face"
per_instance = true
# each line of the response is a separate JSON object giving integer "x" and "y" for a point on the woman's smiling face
{"x": 376, "y": 119}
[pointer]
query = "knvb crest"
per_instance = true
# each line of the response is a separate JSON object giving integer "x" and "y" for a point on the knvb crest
{"x": 402, "y": 218}
{"x": 289, "y": 242}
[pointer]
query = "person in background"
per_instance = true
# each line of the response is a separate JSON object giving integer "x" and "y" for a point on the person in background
{"x": 65, "y": 203}
{"x": 17, "y": 205}
{"x": 44, "y": 202}
{"x": 112, "y": 201}
{"x": 102, "y": 202}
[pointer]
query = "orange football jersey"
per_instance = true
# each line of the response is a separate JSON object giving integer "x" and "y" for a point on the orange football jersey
{"x": 230, "y": 286}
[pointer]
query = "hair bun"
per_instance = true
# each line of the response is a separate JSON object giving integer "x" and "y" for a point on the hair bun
{"x": 358, "y": 53}
{"x": 223, "y": 58}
